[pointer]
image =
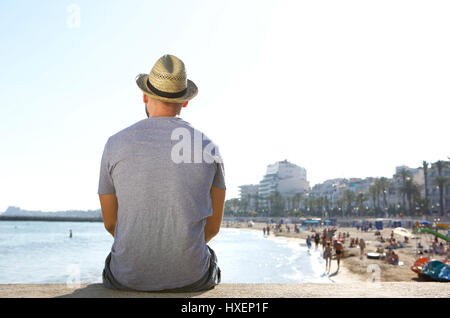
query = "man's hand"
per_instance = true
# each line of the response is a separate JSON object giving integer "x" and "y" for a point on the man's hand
{"x": 214, "y": 221}
{"x": 109, "y": 205}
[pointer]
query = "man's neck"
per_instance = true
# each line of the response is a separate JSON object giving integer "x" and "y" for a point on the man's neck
{"x": 162, "y": 115}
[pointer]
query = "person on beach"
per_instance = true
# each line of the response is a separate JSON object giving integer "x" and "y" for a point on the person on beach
{"x": 393, "y": 259}
{"x": 317, "y": 240}
{"x": 162, "y": 192}
{"x": 324, "y": 241}
{"x": 308, "y": 242}
{"x": 264, "y": 231}
{"x": 362, "y": 246}
{"x": 339, "y": 250}
{"x": 70, "y": 233}
{"x": 327, "y": 256}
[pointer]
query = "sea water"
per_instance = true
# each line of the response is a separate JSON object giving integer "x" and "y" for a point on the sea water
{"x": 43, "y": 253}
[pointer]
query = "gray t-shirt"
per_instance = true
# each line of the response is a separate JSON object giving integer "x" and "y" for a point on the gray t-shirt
{"x": 161, "y": 170}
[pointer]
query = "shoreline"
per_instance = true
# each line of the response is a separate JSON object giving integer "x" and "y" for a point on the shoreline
{"x": 342, "y": 276}
{"x": 353, "y": 269}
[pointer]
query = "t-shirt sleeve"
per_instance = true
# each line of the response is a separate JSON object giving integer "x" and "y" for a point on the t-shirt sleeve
{"x": 219, "y": 177}
{"x": 106, "y": 185}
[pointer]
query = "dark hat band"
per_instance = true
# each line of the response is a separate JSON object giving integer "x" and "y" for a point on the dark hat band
{"x": 165, "y": 94}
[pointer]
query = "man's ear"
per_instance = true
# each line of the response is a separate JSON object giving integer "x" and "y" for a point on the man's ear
{"x": 145, "y": 98}
{"x": 185, "y": 103}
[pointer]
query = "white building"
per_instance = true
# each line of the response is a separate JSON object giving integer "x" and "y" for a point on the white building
{"x": 284, "y": 177}
{"x": 249, "y": 194}
{"x": 395, "y": 197}
{"x": 332, "y": 189}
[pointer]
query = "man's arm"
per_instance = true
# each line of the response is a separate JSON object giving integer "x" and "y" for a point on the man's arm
{"x": 109, "y": 205}
{"x": 214, "y": 221}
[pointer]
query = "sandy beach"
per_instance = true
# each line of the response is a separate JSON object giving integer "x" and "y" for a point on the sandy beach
{"x": 354, "y": 269}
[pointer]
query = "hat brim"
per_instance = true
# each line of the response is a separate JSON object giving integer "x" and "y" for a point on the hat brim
{"x": 191, "y": 91}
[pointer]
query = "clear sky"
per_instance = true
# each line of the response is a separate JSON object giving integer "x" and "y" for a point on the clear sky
{"x": 341, "y": 88}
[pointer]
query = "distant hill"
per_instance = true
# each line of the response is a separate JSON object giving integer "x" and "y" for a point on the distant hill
{"x": 13, "y": 211}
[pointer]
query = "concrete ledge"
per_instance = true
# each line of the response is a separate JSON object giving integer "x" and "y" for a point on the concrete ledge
{"x": 341, "y": 290}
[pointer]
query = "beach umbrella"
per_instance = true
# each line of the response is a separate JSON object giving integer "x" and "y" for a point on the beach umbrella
{"x": 425, "y": 222}
{"x": 402, "y": 232}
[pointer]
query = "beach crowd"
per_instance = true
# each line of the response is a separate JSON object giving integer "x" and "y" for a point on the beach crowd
{"x": 334, "y": 243}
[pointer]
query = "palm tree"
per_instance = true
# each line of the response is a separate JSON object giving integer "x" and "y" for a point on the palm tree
{"x": 383, "y": 185}
{"x": 304, "y": 203}
{"x": 245, "y": 202}
{"x": 403, "y": 174}
{"x": 374, "y": 193}
{"x": 276, "y": 202}
{"x": 412, "y": 193}
{"x": 359, "y": 200}
{"x": 288, "y": 203}
{"x": 232, "y": 206}
{"x": 442, "y": 182}
{"x": 327, "y": 203}
{"x": 425, "y": 176}
{"x": 320, "y": 202}
{"x": 349, "y": 198}
{"x": 297, "y": 198}
{"x": 340, "y": 204}
{"x": 309, "y": 205}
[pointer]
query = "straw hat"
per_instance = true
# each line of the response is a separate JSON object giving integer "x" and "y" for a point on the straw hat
{"x": 167, "y": 81}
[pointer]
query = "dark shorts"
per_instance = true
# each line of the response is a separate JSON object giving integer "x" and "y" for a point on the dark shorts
{"x": 208, "y": 281}
{"x": 338, "y": 252}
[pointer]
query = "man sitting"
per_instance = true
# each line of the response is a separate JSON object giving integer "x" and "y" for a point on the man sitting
{"x": 161, "y": 200}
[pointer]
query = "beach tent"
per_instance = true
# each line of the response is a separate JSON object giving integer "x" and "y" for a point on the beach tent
{"x": 311, "y": 222}
{"x": 397, "y": 224}
{"x": 379, "y": 225}
{"x": 425, "y": 222}
{"x": 330, "y": 222}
